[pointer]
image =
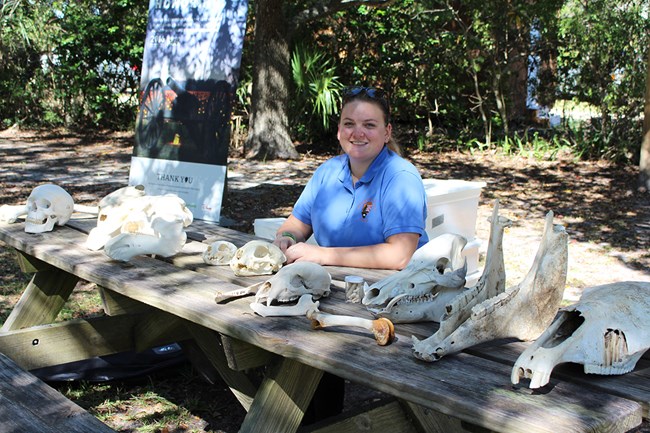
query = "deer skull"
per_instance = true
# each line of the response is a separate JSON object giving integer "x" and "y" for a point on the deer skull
{"x": 257, "y": 258}
{"x": 606, "y": 331}
{"x": 47, "y": 205}
{"x": 420, "y": 291}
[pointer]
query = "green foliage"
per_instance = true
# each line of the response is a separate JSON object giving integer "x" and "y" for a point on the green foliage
{"x": 317, "y": 88}
{"x": 70, "y": 63}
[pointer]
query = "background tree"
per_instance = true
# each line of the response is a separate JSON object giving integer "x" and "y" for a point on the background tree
{"x": 276, "y": 22}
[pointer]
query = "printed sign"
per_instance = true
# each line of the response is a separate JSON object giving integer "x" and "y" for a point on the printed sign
{"x": 191, "y": 62}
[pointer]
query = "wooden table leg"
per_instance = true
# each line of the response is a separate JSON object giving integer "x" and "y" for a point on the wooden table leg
{"x": 42, "y": 300}
{"x": 282, "y": 399}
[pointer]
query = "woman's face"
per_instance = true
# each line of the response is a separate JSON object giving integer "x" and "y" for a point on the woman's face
{"x": 362, "y": 130}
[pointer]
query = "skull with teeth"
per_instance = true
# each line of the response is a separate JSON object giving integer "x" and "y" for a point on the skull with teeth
{"x": 606, "y": 331}
{"x": 419, "y": 292}
{"x": 257, "y": 257}
{"x": 47, "y": 205}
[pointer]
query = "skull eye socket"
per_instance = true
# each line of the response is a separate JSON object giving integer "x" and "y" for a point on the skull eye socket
{"x": 261, "y": 252}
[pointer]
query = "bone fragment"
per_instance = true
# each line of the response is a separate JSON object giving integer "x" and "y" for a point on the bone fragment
{"x": 382, "y": 328}
{"x": 305, "y": 304}
{"x": 237, "y": 293}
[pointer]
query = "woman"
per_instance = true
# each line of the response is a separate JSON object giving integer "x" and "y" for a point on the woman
{"x": 365, "y": 207}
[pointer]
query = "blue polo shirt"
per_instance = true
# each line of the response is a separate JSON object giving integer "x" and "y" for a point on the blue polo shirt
{"x": 388, "y": 199}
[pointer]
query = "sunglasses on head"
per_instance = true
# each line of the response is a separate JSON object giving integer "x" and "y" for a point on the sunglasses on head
{"x": 373, "y": 93}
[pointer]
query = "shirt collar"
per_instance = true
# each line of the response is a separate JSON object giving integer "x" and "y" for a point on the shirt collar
{"x": 373, "y": 169}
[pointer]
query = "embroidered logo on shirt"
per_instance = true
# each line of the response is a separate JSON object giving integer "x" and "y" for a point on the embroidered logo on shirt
{"x": 365, "y": 209}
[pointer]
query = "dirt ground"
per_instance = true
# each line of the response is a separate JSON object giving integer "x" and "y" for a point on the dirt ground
{"x": 606, "y": 216}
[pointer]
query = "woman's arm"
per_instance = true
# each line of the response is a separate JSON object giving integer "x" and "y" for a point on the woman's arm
{"x": 394, "y": 254}
{"x": 291, "y": 232}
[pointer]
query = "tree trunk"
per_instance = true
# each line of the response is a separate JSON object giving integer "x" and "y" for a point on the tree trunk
{"x": 644, "y": 163}
{"x": 268, "y": 133}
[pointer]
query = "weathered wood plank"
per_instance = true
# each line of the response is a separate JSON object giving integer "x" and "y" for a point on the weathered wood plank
{"x": 385, "y": 416}
{"x": 78, "y": 339}
{"x": 243, "y": 356}
{"x": 282, "y": 399}
{"x": 42, "y": 300}
{"x": 29, "y": 405}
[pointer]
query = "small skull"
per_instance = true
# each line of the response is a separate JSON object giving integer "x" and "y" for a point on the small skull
{"x": 257, "y": 258}
{"x": 47, "y": 205}
{"x": 219, "y": 253}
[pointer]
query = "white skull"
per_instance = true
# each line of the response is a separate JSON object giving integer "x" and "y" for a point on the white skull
{"x": 219, "y": 253}
{"x": 257, "y": 258}
{"x": 153, "y": 225}
{"x": 522, "y": 311}
{"x": 606, "y": 331}
{"x": 419, "y": 292}
{"x": 293, "y": 281}
{"x": 47, "y": 205}
{"x": 114, "y": 210}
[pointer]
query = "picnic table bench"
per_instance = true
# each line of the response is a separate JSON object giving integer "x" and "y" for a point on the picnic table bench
{"x": 151, "y": 301}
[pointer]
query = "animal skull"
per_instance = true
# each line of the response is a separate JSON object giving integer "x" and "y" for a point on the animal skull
{"x": 257, "y": 258}
{"x": 293, "y": 281}
{"x": 219, "y": 253}
{"x": 47, "y": 205}
{"x": 522, "y": 311}
{"x": 419, "y": 292}
{"x": 131, "y": 223}
{"x": 606, "y": 331}
{"x": 113, "y": 211}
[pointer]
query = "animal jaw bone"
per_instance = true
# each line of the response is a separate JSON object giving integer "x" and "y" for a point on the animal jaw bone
{"x": 419, "y": 292}
{"x": 304, "y": 305}
{"x": 522, "y": 311}
{"x": 382, "y": 328}
{"x": 490, "y": 284}
{"x": 606, "y": 331}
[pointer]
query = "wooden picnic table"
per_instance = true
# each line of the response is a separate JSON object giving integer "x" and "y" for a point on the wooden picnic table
{"x": 150, "y": 301}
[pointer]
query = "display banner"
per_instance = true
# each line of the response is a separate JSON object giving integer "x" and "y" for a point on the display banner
{"x": 192, "y": 56}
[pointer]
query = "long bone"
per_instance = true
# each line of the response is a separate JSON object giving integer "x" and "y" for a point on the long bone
{"x": 522, "y": 311}
{"x": 382, "y": 328}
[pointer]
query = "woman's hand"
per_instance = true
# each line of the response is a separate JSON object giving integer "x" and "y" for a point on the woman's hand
{"x": 302, "y": 251}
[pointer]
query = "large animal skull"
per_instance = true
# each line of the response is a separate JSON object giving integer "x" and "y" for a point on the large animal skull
{"x": 419, "y": 292}
{"x": 257, "y": 258}
{"x": 113, "y": 211}
{"x": 157, "y": 227}
{"x": 47, "y": 205}
{"x": 606, "y": 331}
{"x": 522, "y": 311}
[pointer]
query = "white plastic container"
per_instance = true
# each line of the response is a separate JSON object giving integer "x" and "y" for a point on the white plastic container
{"x": 452, "y": 207}
{"x": 266, "y": 228}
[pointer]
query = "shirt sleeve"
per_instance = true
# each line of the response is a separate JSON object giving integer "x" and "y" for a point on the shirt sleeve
{"x": 404, "y": 205}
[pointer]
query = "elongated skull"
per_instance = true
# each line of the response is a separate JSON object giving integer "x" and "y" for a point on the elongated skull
{"x": 293, "y": 281}
{"x": 257, "y": 258}
{"x": 219, "y": 253}
{"x": 419, "y": 292}
{"x": 47, "y": 205}
{"x": 606, "y": 331}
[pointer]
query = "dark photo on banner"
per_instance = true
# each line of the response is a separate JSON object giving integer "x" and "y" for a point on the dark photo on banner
{"x": 189, "y": 73}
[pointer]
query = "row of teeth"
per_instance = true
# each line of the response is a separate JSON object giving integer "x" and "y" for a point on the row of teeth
{"x": 416, "y": 299}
